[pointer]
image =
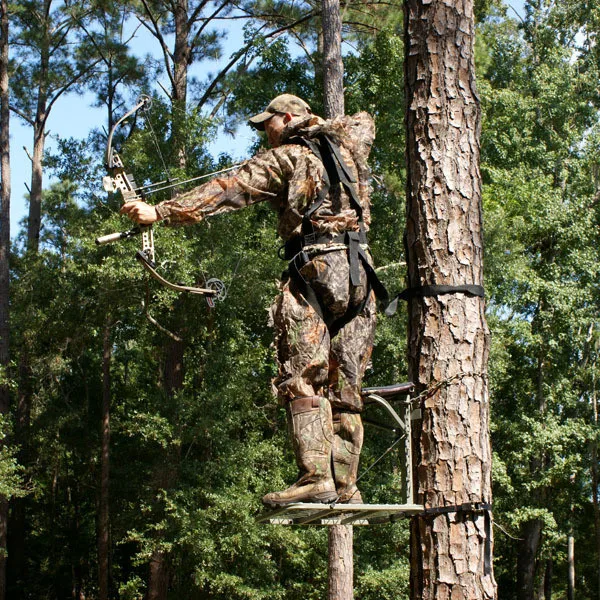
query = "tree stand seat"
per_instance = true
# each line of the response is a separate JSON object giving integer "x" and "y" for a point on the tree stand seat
{"x": 305, "y": 513}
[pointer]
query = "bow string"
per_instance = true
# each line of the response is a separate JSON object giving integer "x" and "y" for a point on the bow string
{"x": 118, "y": 180}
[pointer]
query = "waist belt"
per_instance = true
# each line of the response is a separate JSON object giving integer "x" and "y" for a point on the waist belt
{"x": 357, "y": 256}
{"x": 297, "y": 243}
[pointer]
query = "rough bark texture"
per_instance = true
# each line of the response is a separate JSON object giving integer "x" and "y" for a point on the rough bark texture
{"x": 571, "y": 563}
{"x": 341, "y": 563}
{"x": 333, "y": 66}
{"x": 595, "y": 484}
{"x": 448, "y": 335}
{"x": 4, "y": 258}
{"x": 158, "y": 580}
{"x": 531, "y": 538}
{"x": 103, "y": 511}
{"x": 39, "y": 141}
{"x": 34, "y": 221}
{"x": 341, "y": 555}
{"x": 181, "y": 63}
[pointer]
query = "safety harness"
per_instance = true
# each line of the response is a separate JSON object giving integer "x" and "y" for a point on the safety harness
{"x": 336, "y": 173}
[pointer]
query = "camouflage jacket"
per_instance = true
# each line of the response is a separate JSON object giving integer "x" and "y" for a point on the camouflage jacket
{"x": 289, "y": 177}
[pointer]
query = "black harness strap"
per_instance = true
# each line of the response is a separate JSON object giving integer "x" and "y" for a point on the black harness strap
{"x": 335, "y": 324}
{"x": 336, "y": 172}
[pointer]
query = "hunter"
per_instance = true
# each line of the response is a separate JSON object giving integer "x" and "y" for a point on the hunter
{"x": 316, "y": 177}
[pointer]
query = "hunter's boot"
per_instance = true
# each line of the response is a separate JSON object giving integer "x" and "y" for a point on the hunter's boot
{"x": 312, "y": 436}
{"x": 348, "y": 441}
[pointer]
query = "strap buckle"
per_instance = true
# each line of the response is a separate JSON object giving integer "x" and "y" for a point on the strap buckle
{"x": 311, "y": 238}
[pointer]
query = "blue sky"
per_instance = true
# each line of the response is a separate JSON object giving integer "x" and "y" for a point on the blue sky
{"x": 73, "y": 116}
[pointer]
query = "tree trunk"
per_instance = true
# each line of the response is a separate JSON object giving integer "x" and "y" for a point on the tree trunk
{"x": 341, "y": 557}
{"x": 35, "y": 196}
{"x": 531, "y": 538}
{"x": 448, "y": 335}
{"x": 333, "y": 66}
{"x": 341, "y": 563}
{"x": 4, "y": 264}
{"x": 571, "y": 563}
{"x": 103, "y": 509}
{"x": 595, "y": 479}
{"x": 165, "y": 475}
{"x": 39, "y": 141}
{"x": 181, "y": 63}
{"x": 158, "y": 582}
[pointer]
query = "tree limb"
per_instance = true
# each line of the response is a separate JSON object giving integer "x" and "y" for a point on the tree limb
{"x": 243, "y": 51}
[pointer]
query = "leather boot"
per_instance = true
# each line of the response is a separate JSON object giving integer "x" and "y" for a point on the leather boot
{"x": 312, "y": 435}
{"x": 348, "y": 441}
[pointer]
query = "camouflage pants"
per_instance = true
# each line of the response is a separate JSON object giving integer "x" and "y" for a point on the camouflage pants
{"x": 310, "y": 362}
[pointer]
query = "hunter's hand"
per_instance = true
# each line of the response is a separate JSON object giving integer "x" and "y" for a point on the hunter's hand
{"x": 140, "y": 212}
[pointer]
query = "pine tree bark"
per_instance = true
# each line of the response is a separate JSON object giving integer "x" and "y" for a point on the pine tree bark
{"x": 165, "y": 474}
{"x": 333, "y": 66}
{"x": 530, "y": 540}
{"x": 341, "y": 563}
{"x": 341, "y": 555}
{"x": 4, "y": 263}
{"x": 595, "y": 481}
{"x": 181, "y": 62}
{"x": 448, "y": 334}
{"x": 34, "y": 222}
{"x": 158, "y": 580}
{"x": 571, "y": 565}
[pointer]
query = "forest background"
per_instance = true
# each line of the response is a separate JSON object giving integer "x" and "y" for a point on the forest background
{"x": 135, "y": 460}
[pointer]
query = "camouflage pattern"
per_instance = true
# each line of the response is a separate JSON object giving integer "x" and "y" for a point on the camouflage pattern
{"x": 311, "y": 430}
{"x": 289, "y": 177}
{"x": 312, "y": 433}
{"x": 310, "y": 362}
{"x": 348, "y": 440}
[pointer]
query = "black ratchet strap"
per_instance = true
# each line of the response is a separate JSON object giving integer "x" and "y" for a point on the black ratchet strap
{"x": 423, "y": 291}
{"x": 470, "y": 507}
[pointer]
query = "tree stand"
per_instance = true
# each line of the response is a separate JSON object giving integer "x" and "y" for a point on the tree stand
{"x": 303, "y": 513}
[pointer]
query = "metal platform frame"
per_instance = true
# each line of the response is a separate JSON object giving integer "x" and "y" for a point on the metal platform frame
{"x": 303, "y": 513}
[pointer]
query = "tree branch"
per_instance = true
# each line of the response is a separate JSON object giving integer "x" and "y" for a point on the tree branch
{"x": 205, "y": 24}
{"x": 155, "y": 31}
{"x": 243, "y": 51}
{"x": 23, "y": 116}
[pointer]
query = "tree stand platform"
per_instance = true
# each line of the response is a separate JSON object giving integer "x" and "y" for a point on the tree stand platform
{"x": 304, "y": 513}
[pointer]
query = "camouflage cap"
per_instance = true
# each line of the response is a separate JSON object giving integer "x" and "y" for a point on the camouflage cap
{"x": 286, "y": 103}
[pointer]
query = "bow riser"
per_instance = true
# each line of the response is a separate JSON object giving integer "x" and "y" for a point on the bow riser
{"x": 118, "y": 180}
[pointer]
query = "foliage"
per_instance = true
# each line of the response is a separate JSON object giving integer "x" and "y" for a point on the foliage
{"x": 196, "y": 438}
{"x": 540, "y": 117}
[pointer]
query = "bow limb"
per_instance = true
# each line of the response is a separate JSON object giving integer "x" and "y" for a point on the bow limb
{"x": 144, "y": 101}
{"x": 118, "y": 180}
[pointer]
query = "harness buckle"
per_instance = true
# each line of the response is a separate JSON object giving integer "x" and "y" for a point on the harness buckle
{"x": 310, "y": 239}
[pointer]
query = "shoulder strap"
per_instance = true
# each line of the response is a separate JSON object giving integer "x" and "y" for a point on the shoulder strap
{"x": 336, "y": 172}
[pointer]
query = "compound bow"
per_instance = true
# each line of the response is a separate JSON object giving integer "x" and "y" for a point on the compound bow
{"x": 119, "y": 180}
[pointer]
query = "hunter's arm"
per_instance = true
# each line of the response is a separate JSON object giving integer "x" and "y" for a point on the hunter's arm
{"x": 263, "y": 177}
